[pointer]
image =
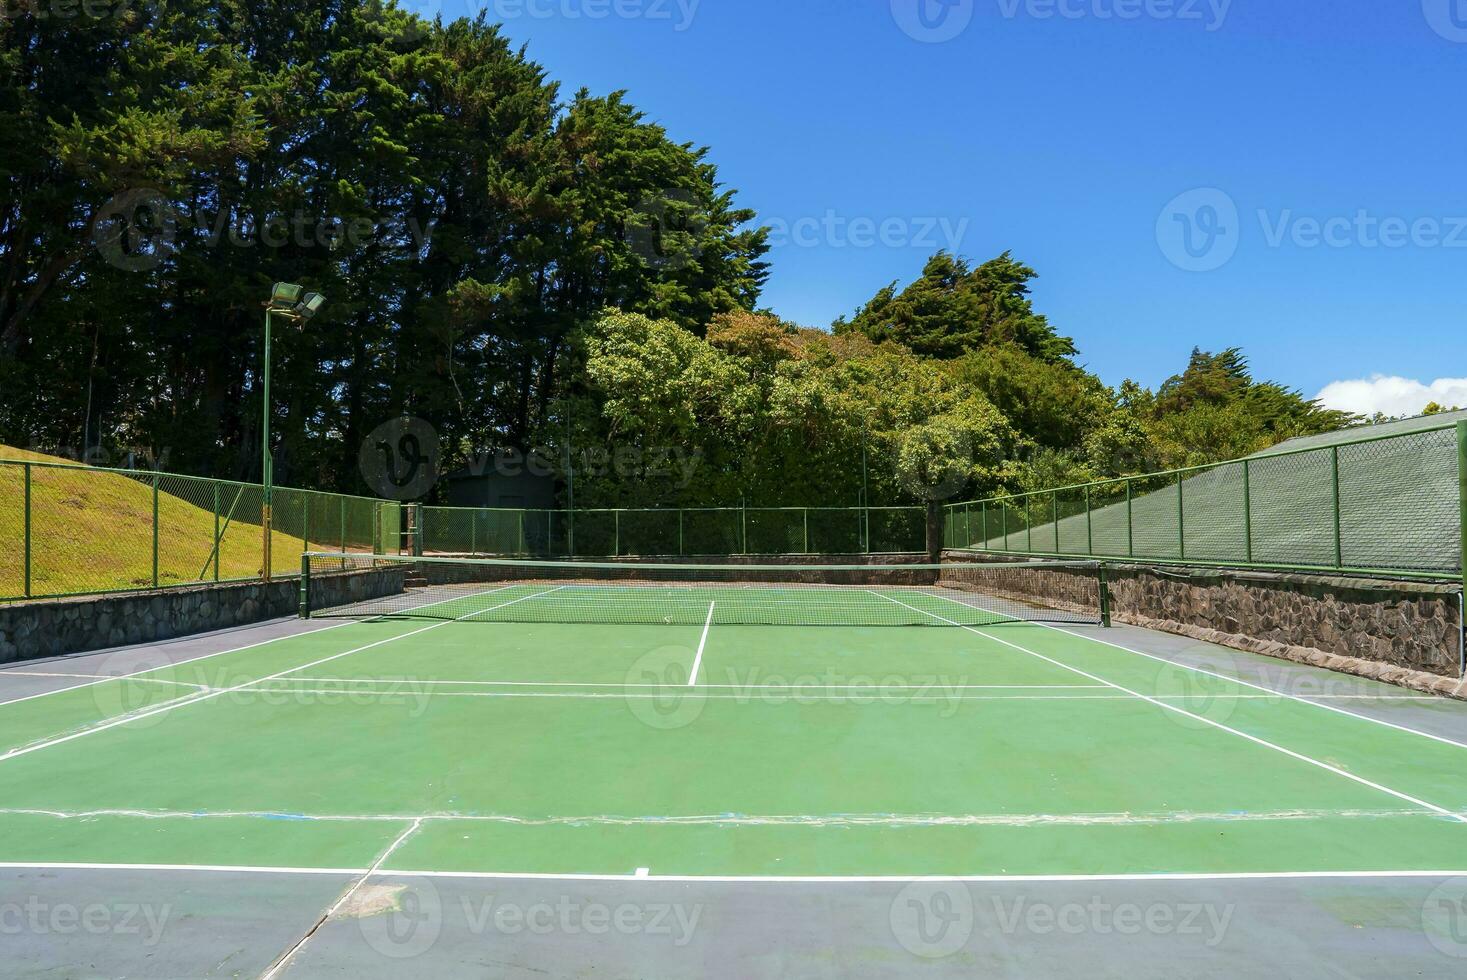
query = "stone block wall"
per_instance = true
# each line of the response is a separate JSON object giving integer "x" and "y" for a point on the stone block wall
{"x": 1403, "y": 632}
{"x": 1414, "y": 625}
{"x": 50, "y": 628}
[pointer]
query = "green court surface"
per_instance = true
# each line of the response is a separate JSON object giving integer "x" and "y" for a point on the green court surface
{"x": 703, "y": 749}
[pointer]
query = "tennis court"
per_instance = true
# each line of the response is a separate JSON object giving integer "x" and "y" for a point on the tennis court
{"x": 726, "y": 731}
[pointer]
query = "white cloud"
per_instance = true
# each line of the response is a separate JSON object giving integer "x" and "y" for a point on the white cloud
{"x": 1392, "y": 395}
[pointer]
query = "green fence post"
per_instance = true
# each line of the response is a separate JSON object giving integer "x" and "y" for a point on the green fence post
{"x": 743, "y": 526}
{"x": 1004, "y": 511}
{"x": 1029, "y": 523}
{"x": 155, "y": 529}
{"x": 523, "y": 545}
{"x": 681, "y": 549}
{"x": 807, "y": 530}
{"x": 616, "y": 534}
{"x": 27, "y": 480}
{"x": 1089, "y": 525}
{"x": 1247, "y": 512}
{"x": 343, "y": 525}
{"x": 1462, "y": 507}
{"x": 1054, "y": 510}
{"x": 1130, "y": 524}
{"x": 1334, "y": 465}
{"x": 217, "y": 543}
{"x": 984, "y": 518}
{"x": 1181, "y": 523}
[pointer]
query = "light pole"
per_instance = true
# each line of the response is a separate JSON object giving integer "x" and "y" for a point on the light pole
{"x": 286, "y": 300}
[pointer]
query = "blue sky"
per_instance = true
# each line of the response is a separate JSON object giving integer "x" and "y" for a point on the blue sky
{"x": 1289, "y": 176}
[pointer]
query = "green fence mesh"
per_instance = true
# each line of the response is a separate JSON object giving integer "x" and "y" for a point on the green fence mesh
{"x": 641, "y": 532}
{"x": 75, "y": 530}
{"x": 1388, "y": 504}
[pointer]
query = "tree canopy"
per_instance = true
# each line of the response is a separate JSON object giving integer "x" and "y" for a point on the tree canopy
{"x": 518, "y": 267}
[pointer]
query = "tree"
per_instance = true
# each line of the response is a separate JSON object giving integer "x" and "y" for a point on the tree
{"x": 951, "y": 310}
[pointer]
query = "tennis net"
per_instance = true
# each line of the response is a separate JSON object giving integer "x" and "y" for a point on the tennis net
{"x": 494, "y": 590}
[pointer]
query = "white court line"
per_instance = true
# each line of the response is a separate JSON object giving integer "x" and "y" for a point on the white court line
{"x": 843, "y": 820}
{"x": 167, "y": 666}
{"x": 1303, "y": 699}
{"x": 26, "y": 750}
{"x": 289, "y": 954}
{"x": 736, "y": 687}
{"x": 933, "y": 693}
{"x": 744, "y": 879}
{"x": 93, "y": 677}
{"x": 1207, "y": 721}
{"x": 698, "y": 660}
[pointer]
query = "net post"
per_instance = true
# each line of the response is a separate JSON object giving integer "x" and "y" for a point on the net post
{"x": 27, "y": 480}
{"x": 1104, "y": 597}
{"x": 1334, "y": 466}
{"x": 1247, "y": 512}
{"x": 155, "y": 528}
{"x": 305, "y": 593}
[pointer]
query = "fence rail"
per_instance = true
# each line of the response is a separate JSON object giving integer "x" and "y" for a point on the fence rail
{"x": 69, "y": 530}
{"x": 1389, "y": 504}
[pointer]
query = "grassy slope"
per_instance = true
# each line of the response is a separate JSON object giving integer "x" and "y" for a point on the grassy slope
{"x": 92, "y": 531}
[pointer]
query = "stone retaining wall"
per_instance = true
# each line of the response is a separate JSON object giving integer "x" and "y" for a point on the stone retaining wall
{"x": 50, "y": 628}
{"x": 1401, "y": 632}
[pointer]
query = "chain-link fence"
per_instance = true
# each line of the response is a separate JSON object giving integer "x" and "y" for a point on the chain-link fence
{"x": 639, "y": 532}
{"x": 1387, "y": 504}
{"x": 70, "y": 530}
